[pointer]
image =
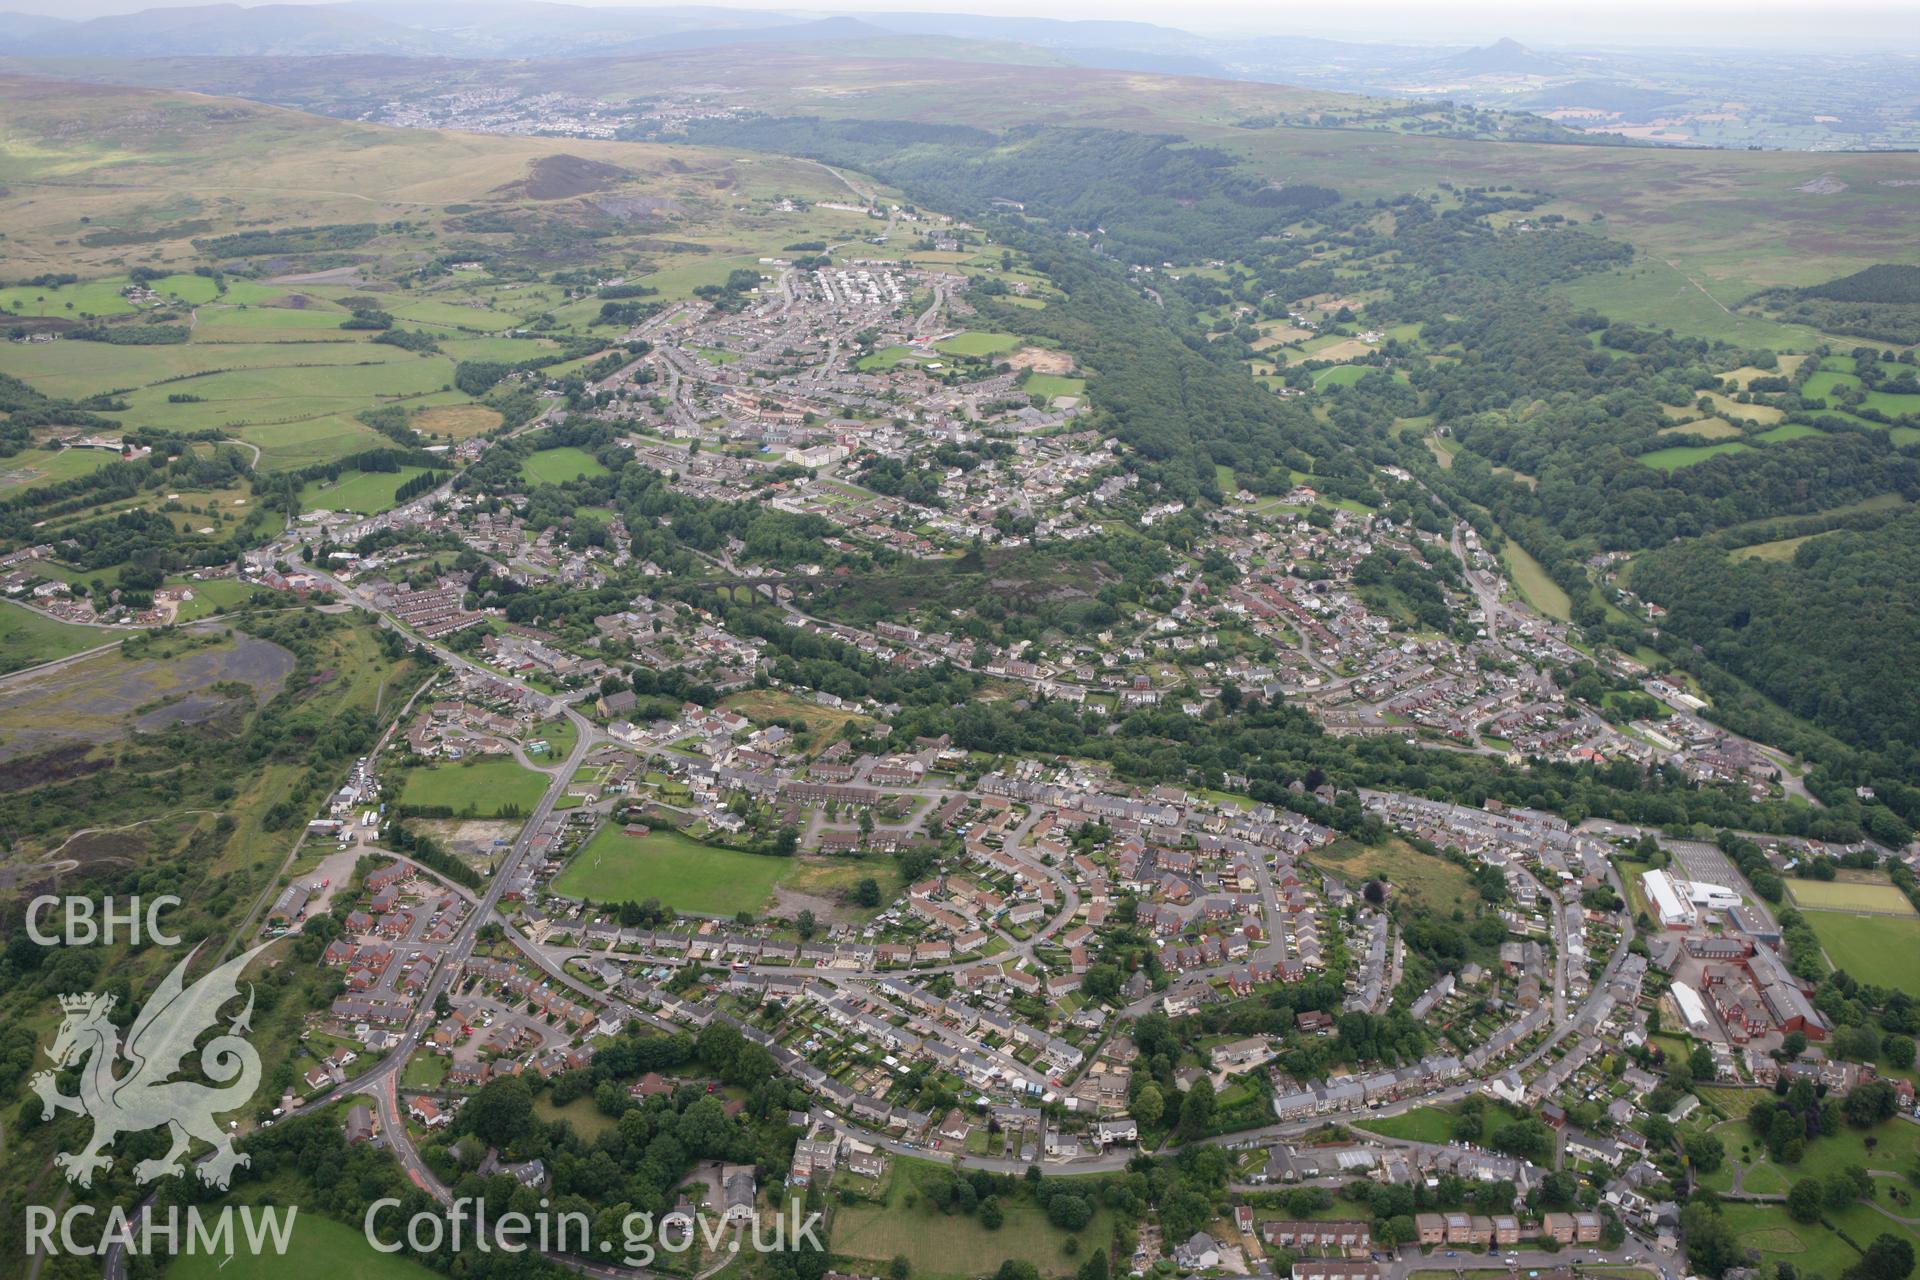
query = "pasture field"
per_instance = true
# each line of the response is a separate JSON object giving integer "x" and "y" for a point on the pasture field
{"x": 486, "y": 786}
{"x": 1685, "y": 455}
{"x": 75, "y": 370}
{"x": 675, "y": 868}
{"x": 456, "y": 421}
{"x": 365, "y": 492}
{"x": 942, "y": 1245}
{"x": 285, "y": 446}
{"x": 1535, "y": 587}
{"x": 1877, "y": 896}
{"x": 245, "y": 396}
{"x": 1706, "y": 429}
{"x": 321, "y": 1249}
{"x": 1829, "y": 379}
{"x": 1780, "y": 549}
{"x": 1788, "y": 431}
{"x": 1726, "y": 406}
{"x": 975, "y": 343}
{"x": 1880, "y": 949}
{"x": 458, "y": 316}
{"x": 1434, "y": 881}
{"x": 31, "y": 468}
{"x": 557, "y": 466}
{"x": 1341, "y": 375}
{"x": 27, "y": 637}
{"x": 103, "y": 297}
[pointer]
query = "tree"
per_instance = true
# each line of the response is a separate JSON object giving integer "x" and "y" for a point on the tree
{"x": 991, "y": 1215}
{"x": 867, "y": 893}
{"x": 806, "y": 924}
{"x": 1558, "y": 1189}
{"x": 1899, "y": 1051}
{"x": 1711, "y": 1245}
{"x": 1705, "y": 1151}
{"x": 899, "y": 1268}
{"x": 1069, "y": 1212}
{"x": 1806, "y": 1200}
{"x": 1869, "y": 1104}
{"x": 1196, "y": 1112}
{"x": 500, "y": 1113}
{"x": 1148, "y": 1106}
{"x": 1887, "y": 1258}
{"x": 1700, "y": 1063}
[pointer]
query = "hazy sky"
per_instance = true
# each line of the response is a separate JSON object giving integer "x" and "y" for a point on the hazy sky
{"x": 1859, "y": 25}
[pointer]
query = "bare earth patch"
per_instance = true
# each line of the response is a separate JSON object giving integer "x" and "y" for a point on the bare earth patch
{"x": 1041, "y": 360}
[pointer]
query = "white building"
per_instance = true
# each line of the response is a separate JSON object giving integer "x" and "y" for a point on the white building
{"x": 1667, "y": 900}
{"x": 1692, "y": 1008}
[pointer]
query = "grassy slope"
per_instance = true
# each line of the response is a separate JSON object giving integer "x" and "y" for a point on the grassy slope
{"x": 27, "y": 638}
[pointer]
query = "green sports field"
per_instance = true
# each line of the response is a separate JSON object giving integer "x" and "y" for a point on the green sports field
{"x": 677, "y": 869}
{"x": 887, "y": 357}
{"x": 978, "y": 344}
{"x": 321, "y": 1249}
{"x": 486, "y": 785}
{"x": 557, "y": 466}
{"x": 1053, "y": 384}
{"x": 1422, "y": 1124}
{"x": 1879, "y": 949}
{"x": 1850, "y": 895}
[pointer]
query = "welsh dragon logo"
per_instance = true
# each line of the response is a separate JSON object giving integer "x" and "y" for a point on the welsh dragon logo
{"x": 146, "y": 1096}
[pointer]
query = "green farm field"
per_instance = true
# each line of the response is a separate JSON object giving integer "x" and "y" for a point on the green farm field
{"x": 32, "y": 468}
{"x": 677, "y": 869}
{"x": 1535, "y": 587}
{"x": 365, "y": 492}
{"x": 487, "y": 786}
{"x": 1685, "y": 455}
{"x": 1881, "y": 949}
